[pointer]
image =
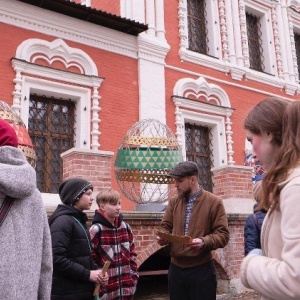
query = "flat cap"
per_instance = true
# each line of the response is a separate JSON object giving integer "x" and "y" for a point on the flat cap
{"x": 185, "y": 168}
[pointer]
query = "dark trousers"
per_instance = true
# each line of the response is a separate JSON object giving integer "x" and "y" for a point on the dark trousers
{"x": 198, "y": 283}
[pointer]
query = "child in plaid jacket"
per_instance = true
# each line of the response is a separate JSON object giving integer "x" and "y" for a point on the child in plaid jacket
{"x": 112, "y": 240}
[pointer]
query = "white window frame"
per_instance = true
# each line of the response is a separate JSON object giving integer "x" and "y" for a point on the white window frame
{"x": 79, "y": 95}
{"x": 217, "y": 125}
{"x": 264, "y": 13}
{"x": 213, "y": 31}
{"x": 216, "y": 117}
{"x": 81, "y": 87}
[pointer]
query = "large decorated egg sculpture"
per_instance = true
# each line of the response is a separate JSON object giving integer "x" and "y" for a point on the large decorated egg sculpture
{"x": 25, "y": 144}
{"x": 146, "y": 154}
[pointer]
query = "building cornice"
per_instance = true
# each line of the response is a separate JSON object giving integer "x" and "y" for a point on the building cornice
{"x": 33, "y": 18}
{"x": 91, "y": 15}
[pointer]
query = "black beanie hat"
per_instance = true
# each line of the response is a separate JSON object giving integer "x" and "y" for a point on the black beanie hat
{"x": 72, "y": 189}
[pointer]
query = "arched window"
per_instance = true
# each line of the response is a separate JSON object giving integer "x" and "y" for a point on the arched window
{"x": 56, "y": 95}
{"x": 203, "y": 125}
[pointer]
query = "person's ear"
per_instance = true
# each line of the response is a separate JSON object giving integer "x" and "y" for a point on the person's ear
{"x": 270, "y": 137}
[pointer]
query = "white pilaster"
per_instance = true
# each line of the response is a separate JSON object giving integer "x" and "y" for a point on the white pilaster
{"x": 152, "y": 78}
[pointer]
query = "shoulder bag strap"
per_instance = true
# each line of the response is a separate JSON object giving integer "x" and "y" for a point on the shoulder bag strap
{"x": 88, "y": 240}
{"x": 5, "y": 207}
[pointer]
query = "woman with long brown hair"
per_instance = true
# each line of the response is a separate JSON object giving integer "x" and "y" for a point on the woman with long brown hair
{"x": 273, "y": 128}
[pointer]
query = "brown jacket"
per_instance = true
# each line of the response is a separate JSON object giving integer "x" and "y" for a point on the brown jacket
{"x": 208, "y": 221}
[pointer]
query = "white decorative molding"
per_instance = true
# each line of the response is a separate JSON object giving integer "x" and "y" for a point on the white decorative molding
{"x": 214, "y": 113}
{"x": 291, "y": 89}
{"x": 57, "y": 50}
{"x": 238, "y": 66}
{"x": 86, "y": 2}
{"x": 228, "y": 83}
{"x": 80, "y": 95}
{"x": 32, "y": 50}
{"x": 224, "y": 32}
{"x": 237, "y": 73}
{"x": 277, "y": 43}
{"x": 294, "y": 4}
{"x": 244, "y": 35}
{"x": 57, "y": 25}
{"x": 264, "y": 78}
{"x": 229, "y": 140}
{"x": 187, "y": 87}
{"x": 151, "y": 49}
{"x": 293, "y": 25}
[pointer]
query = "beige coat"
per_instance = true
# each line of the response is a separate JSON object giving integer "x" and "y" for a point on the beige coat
{"x": 276, "y": 274}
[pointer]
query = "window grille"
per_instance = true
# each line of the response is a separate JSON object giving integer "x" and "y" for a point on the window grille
{"x": 51, "y": 128}
{"x": 255, "y": 42}
{"x": 198, "y": 141}
{"x": 197, "y": 26}
{"x": 297, "y": 47}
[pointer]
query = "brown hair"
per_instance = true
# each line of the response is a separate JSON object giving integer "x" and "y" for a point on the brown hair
{"x": 258, "y": 194}
{"x": 281, "y": 119}
{"x": 109, "y": 196}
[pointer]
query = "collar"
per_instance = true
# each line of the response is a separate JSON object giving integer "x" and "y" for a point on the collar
{"x": 195, "y": 195}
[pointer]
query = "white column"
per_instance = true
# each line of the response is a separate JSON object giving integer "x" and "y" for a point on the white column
{"x": 152, "y": 91}
{"x": 283, "y": 31}
{"x": 230, "y": 32}
{"x": 133, "y": 10}
{"x": 95, "y": 133}
{"x": 160, "y": 22}
{"x": 17, "y": 93}
{"x": 87, "y": 3}
{"x": 237, "y": 34}
{"x": 244, "y": 36}
{"x": 150, "y": 17}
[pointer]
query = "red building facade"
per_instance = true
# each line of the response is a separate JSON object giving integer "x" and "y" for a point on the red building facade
{"x": 96, "y": 68}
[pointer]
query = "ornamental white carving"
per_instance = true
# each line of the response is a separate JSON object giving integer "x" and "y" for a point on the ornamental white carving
{"x": 185, "y": 92}
{"x": 31, "y": 52}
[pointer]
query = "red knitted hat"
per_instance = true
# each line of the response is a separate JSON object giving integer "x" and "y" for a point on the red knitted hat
{"x": 8, "y": 136}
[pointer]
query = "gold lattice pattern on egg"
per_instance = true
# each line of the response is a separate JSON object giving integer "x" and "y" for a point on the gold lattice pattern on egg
{"x": 150, "y": 141}
{"x": 10, "y": 117}
{"x": 144, "y": 176}
{"x": 24, "y": 140}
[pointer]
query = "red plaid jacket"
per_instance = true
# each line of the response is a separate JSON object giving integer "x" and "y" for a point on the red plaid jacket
{"x": 115, "y": 244}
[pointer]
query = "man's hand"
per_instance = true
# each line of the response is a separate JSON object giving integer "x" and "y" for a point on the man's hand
{"x": 160, "y": 241}
{"x": 196, "y": 243}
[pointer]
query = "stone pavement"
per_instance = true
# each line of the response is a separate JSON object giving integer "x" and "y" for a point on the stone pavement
{"x": 244, "y": 296}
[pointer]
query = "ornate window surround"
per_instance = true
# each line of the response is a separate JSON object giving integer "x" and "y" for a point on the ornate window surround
{"x": 264, "y": 13}
{"x": 81, "y": 87}
{"x": 294, "y": 25}
{"x": 221, "y": 28}
{"x": 216, "y": 117}
{"x": 213, "y": 33}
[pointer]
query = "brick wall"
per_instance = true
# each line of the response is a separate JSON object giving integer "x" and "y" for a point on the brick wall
{"x": 95, "y": 166}
{"x": 232, "y": 184}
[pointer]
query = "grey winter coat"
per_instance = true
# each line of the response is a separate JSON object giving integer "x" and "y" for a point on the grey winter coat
{"x": 25, "y": 242}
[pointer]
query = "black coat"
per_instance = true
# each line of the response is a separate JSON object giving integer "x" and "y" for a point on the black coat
{"x": 252, "y": 230}
{"x": 72, "y": 260}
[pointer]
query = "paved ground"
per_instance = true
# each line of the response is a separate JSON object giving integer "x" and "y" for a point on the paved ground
{"x": 243, "y": 296}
